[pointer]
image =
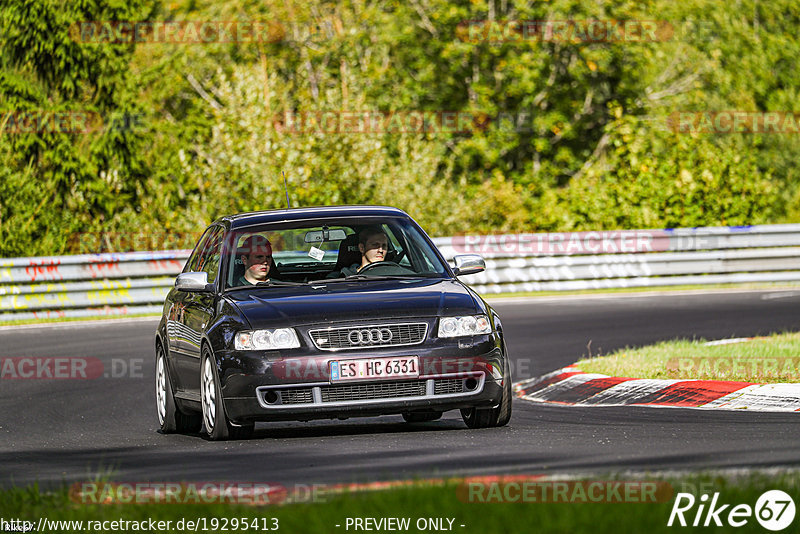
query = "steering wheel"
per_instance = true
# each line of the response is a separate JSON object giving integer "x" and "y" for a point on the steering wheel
{"x": 388, "y": 265}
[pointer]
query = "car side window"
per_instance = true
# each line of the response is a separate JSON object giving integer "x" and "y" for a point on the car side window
{"x": 208, "y": 261}
{"x": 191, "y": 263}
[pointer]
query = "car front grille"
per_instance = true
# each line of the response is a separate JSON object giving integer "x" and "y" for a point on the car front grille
{"x": 447, "y": 386}
{"x": 357, "y": 392}
{"x": 368, "y": 336}
{"x": 379, "y": 390}
{"x": 297, "y": 396}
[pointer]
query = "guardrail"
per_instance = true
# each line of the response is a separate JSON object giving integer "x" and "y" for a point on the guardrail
{"x": 136, "y": 282}
{"x": 631, "y": 258}
{"x": 86, "y": 285}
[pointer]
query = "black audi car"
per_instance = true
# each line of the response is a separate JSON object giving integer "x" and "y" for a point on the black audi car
{"x": 328, "y": 312}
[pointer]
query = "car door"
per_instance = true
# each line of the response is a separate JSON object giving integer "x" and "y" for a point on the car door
{"x": 197, "y": 310}
{"x": 176, "y": 333}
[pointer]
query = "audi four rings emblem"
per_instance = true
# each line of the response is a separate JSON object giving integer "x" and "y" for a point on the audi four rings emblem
{"x": 369, "y": 337}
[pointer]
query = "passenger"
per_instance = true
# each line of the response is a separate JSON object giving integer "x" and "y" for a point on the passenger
{"x": 256, "y": 256}
{"x": 373, "y": 243}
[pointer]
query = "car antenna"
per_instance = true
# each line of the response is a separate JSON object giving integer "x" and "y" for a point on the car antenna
{"x": 286, "y": 188}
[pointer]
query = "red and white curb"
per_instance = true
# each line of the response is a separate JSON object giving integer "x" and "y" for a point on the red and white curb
{"x": 572, "y": 386}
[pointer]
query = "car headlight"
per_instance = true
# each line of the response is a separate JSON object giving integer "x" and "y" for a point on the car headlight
{"x": 278, "y": 338}
{"x": 468, "y": 325}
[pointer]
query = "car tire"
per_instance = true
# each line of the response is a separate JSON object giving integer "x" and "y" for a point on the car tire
{"x": 421, "y": 417}
{"x": 215, "y": 422}
{"x": 492, "y": 417}
{"x": 170, "y": 418}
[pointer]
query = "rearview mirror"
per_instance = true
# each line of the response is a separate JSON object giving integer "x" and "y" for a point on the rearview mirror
{"x": 325, "y": 235}
{"x": 193, "y": 282}
{"x": 468, "y": 264}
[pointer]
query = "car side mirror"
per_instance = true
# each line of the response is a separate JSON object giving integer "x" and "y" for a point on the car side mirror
{"x": 193, "y": 282}
{"x": 468, "y": 264}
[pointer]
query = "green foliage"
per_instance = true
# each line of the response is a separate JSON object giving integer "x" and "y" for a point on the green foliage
{"x": 577, "y": 138}
{"x": 57, "y": 184}
{"x": 656, "y": 179}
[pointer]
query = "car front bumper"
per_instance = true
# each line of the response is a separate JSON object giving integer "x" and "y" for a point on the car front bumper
{"x": 273, "y": 387}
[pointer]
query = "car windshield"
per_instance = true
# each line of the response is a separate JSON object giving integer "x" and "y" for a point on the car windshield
{"x": 329, "y": 251}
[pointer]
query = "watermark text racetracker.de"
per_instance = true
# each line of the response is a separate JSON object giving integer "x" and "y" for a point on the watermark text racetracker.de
{"x": 581, "y": 32}
{"x": 177, "y": 32}
{"x": 318, "y": 368}
{"x": 532, "y": 490}
{"x": 69, "y": 367}
{"x": 733, "y": 366}
{"x": 734, "y": 122}
{"x": 59, "y": 121}
{"x": 205, "y": 32}
{"x": 198, "y": 492}
{"x": 565, "y": 31}
{"x": 568, "y": 243}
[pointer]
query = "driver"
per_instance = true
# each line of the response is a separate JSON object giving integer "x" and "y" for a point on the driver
{"x": 373, "y": 243}
{"x": 256, "y": 255}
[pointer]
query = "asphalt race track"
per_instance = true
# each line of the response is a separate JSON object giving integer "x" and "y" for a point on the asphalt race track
{"x": 67, "y": 430}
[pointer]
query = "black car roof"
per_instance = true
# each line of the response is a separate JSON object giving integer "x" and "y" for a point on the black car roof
{"x": 260, "y": 217}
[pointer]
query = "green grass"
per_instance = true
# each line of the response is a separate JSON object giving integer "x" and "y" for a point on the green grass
{"x": 446, "y": 501}
{"x": 773, "y": 359}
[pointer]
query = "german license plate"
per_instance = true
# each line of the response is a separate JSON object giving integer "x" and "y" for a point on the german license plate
{"x": 375, "y": 368}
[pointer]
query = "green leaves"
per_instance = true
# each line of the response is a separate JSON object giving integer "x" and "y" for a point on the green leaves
{"x": 70, "y": 165}
{"x": 569, "y": 133}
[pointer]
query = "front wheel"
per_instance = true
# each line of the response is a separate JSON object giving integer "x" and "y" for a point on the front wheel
{"x": 170, "y": 418}
{"x": 215, "y": 422}
{"x": 492, "y": 417}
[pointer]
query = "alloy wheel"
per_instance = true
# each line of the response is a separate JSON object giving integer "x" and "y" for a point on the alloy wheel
{"x": 161, "y": 388}
{"x": 209, "y": 396}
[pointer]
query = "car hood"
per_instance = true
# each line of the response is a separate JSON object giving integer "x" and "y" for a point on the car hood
{"x": 357, "y": 300}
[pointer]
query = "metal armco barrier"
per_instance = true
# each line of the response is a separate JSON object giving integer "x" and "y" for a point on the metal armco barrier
{"x": 136, "y": 282}
{"x": 87, "y": 285}
{"x": 631, "y": 258}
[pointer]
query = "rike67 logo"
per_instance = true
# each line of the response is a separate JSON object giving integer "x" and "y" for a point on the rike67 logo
{"x": 774, "y": 510}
